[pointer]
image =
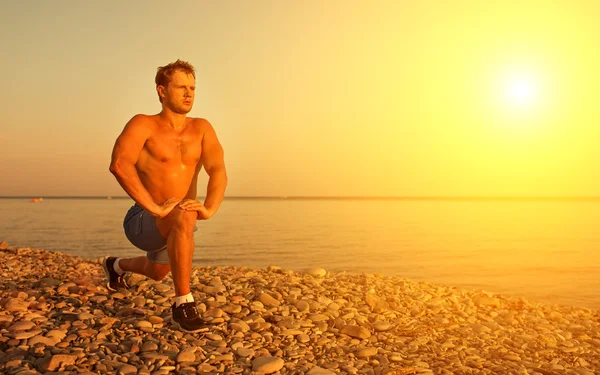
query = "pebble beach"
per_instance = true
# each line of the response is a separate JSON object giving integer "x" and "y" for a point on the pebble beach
{"x": 57, "y": 316}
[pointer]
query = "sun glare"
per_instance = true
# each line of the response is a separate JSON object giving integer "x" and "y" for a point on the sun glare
{"x": 519, "y": 99}
{"x": 521, "y": 92}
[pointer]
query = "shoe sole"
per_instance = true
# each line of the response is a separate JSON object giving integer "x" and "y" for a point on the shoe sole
{"x": 178, "y": 326}
{"x": 107, "y": 273}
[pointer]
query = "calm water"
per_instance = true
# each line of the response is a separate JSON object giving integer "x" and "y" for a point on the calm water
{"x": 544, "y": 251}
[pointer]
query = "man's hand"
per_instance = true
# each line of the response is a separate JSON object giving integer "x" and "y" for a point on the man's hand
{"x": 195, "y": 205}
{"x": 166, "y": 207}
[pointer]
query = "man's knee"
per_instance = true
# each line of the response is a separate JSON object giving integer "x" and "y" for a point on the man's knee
{"x": 185, "y": 220}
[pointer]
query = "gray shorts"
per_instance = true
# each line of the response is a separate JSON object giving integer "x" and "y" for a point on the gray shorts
{"x": 141, "y": 230}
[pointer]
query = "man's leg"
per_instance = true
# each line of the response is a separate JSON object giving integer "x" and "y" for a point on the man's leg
{"x": 115, "y": 269}
{"x": 145, "y": 266}
{"x": 142, "y": 231}
{"x": 178, "y": 229}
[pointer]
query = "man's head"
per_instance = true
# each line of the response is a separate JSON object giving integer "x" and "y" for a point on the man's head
{"x": 175, "y": 85}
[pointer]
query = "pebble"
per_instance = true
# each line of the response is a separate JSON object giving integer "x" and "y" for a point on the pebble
{"x": 366, "y": 352}
{"x": 245, "y": 352}
{"x": 22, "y": 335}
{"x": 267, "y": 300}
{"x": 54, "y": 362}
{"x": 356, "y": 331}
{"x": 381, "y": 326}
{"x": 267, "y": 364}
{"x": 149, "y": 346}
{"x": 139, "y": 301}
{"x": 143, "y": 324}
{"x": 21, "y": 326}
{"x": 240, "y": 326}
{"x": 127, "y": 369}
{"x": 317, "y": 272}
{"x": 16, "y": 305}
{"x": 316, "y": 370}
{"x": 186, "y": 356}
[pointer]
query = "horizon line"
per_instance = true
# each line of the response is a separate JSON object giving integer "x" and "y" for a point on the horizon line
{"x": 349, "y": 197}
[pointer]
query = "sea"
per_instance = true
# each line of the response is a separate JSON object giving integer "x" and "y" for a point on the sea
{"x": 546, "y": 251}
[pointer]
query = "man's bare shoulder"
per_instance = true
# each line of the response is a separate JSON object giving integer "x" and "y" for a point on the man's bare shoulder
{"x": 201, "y": 124}
{"x": 141, "y": 120}
{"x": 199, "y": 121}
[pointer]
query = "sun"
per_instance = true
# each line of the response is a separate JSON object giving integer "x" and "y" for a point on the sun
{"x": 521, "y": 92}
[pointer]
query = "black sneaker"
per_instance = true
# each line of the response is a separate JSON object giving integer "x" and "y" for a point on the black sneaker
{"x": 186, "y": 317}
{"x": 115, "y": 280}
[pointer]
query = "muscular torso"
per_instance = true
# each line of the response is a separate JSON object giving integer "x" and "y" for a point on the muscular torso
{"x": 169, "y": 161}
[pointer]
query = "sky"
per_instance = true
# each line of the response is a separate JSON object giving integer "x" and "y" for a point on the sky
{"x": 312, "y": 98}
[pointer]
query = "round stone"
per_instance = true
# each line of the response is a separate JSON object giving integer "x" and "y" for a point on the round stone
{"x": 267, "y": 364}
{"x": 317, "y": 272}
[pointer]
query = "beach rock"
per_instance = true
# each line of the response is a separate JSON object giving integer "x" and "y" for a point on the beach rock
{"x": 16, "y": 305}
{"x": 376, "y": 304}
{"x": 486, "y": 301}
{"x": 366, "y": 352}
{"x": 149, "y": 346}
{"x": 139, "y": 301}
{"x": 143, "y": 324}
{"x": 302, "y": 306}
{"x": 381, "y": 326}
{"x": 11, "y": 263}
{"x": 186, "y": 356}
{"x": 48, "y": 341}
{"x": 205, "y": 367}
{"x": 268, "y": 301}
{"x": 162, "y": 288}
{"x": 24, "y": 335}
{"x": 303, "y": 338}
{"x": 54, "y": 362}
{"x": 356, "y": 331}
{"x": 127, "y": 370}
{"x": 318, "y": 318}
{"x": 267, "y": 364}
{"x": 316, "y": 370}
{"x": 155, "y": 319}
{"x": 57, "y": 334}
{"x": 240, "y": 326}
{"x": 21, "y": 326}
{"x": 317, "y": 272}
{"x": 244, "y": 352}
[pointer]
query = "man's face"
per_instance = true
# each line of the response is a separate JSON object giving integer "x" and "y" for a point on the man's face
{"x": 179, "y": 93}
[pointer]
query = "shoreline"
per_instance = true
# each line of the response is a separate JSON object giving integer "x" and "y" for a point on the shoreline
{"x": 57, "y": 315}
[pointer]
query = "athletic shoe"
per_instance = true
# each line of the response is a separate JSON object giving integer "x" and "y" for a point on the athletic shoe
{"x": 186, "y": 317}
{"x": 115, "y": 280}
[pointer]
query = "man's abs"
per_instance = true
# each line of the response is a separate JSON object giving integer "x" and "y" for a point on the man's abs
{"x": 167, "y": 182}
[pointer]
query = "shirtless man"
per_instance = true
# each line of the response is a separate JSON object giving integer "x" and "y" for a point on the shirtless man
{"x": 156, "y": 160}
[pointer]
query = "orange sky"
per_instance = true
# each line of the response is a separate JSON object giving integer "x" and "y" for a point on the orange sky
{"x": 313, "y": 97}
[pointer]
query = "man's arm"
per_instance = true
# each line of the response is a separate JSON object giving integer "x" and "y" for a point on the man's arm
{"x": 124, "y": 157}
{"x": 214, "y": 163}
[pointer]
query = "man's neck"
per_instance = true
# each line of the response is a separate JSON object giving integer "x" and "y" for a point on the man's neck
{"x": 172, "y": 119}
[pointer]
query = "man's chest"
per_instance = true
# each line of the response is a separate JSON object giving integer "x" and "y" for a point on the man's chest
{"x": 186, "y": 148}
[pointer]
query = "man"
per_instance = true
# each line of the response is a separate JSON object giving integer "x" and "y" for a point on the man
{"x": 156, "y": 159}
